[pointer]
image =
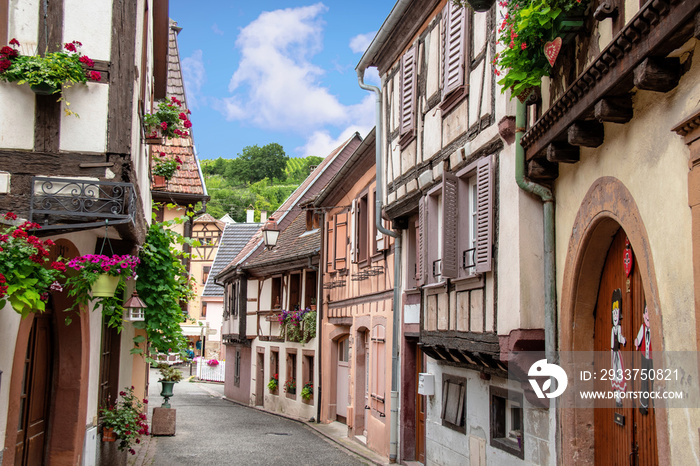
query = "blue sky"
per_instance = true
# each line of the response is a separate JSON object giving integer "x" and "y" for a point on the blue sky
{"x": 276, "y": 71}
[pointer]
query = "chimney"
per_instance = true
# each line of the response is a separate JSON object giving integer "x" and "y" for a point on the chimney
{"x": 249, "y": 216}
{"x": 263, "y": 216}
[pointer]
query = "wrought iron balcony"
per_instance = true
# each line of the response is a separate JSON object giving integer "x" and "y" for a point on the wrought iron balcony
{"x": 65, "y": 203}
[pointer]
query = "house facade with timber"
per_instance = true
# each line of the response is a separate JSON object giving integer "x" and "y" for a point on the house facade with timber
{"x": 82, "y": 179}
{"x": 260, "y": 285}
{"x": 471, "y": 241}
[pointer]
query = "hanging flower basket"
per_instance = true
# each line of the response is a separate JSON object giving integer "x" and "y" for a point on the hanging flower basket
{"x": 104, "y": 286}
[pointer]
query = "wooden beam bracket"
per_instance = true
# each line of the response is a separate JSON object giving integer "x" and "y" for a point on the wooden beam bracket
{"x": 658, "y": 74}
{"x": 614, "y": 109}
{"x": 562, "y": 152}
{"x": 584, "y": 133}
{"x": 605, "y": 10}
{"x": 541, "y": 169}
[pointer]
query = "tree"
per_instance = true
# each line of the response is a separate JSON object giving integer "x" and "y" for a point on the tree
{"x": 268, "y": 161}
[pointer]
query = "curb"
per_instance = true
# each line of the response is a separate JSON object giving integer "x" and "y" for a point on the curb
{"x": 347, "y": 447}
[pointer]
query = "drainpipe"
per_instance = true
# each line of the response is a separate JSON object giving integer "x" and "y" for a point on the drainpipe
{"x": 394, "y": 422}
{"x": 550, "y": 292}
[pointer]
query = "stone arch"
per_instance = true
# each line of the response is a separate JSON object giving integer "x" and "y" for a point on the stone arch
{"x": 69, "y": 384}
{"x": 607, "y": 206}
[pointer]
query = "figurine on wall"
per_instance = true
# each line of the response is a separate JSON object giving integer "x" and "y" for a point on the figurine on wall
{"x": 643, "y": 344}
{"x": 616, "y": 339}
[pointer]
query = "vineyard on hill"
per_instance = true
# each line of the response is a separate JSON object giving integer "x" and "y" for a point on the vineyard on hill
{"x": 260, "y": 178}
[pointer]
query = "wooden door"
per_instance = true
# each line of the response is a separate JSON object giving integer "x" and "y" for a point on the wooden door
{"x": 260, "y": 380}
{"x": 34, "y": 398}
{"x": 624, "y": 434}
{"x": 420, "y": 410}
{"x": 365, "y": 409}
{"x": 342, "y": 382}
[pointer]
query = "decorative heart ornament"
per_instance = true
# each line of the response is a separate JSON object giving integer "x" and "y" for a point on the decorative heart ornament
{"x": 551, "y": 50}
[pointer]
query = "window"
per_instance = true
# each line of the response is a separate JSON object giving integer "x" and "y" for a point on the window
{"x": 507, "y": 421}
{"x": 307, "y": 368}
{"x": 454, "y": 55}
{"x": 361, "y": 226}
{"x": 275, "y": 363}
{"x": 205, "y": 274}
{"x": 310, "y": 288}
{"x": 454, "y": 390}
{"x": 378, "y": 385}
{"x": 276, "y": 293}
{"x": 407, "y": 104}
{"x": 292, "y": 373}
{"x": 313, "y": 220}
{"x": 231, "y": 300}
{"x": 204, "y": 309}
{"x": 294, "y": 291}
{"x": 455, "y": 229}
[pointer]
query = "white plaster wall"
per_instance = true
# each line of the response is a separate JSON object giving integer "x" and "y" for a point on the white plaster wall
{"x": 24, "y": 25}
{"x": 652, "y": 162}
{"x": 445, "y": 446}
{"x": 90, "y": 23}
{"x": 16, "y": 127}
{"x": 88, "y": 133}
{"x": 215, "y": 318}
{"x": 479, "y": 31}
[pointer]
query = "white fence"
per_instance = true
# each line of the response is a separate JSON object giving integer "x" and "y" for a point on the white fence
{"x": 210, "y": 373}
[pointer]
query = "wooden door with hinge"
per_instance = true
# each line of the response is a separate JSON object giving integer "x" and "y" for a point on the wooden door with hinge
{"x": 259, "y": 380}
{"x": 36, "y": 391}
{"x": 625, "y": 434}
{"x": 420, "y": 409}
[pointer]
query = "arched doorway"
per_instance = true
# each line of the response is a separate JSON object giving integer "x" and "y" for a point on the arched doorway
{"x": 64, "y": 412}
{"x": 608, "y": 215}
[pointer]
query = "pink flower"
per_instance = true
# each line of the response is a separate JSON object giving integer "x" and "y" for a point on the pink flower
{"x": 187, "y": 124}
{"x": 4, "y": 64}
{"x": 164, "y": 125}
{"x": 70, "y": 46}
{"x": 523, "y": 46}
{"x": 94, "y": 75}
{"x": 14, "y": 42}
{"x": 87, "y": 61}
{"x": 162, "y": 154}
{"x": 182, "y": 116}
{"x": 10, "y": 216}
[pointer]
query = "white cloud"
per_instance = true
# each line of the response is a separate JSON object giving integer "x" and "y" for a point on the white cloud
{"x": 194, "y": 75}
{"x": 217, "y": 31}
{"x": 276, "y": 86}
{"x": 360, "y": 42}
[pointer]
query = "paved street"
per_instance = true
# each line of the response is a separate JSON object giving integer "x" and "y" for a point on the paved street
{"x": 211, "y": 430}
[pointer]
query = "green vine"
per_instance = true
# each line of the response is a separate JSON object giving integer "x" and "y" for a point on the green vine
{"x": 163, "y": 283}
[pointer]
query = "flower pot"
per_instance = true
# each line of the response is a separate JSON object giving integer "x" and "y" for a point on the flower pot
{"x": 108, "y": 434}
{"x": 43, "y": 89}
{"x": 104, "y": 286}
{"x": 312, "y": 307}
{"x": 481, "y": 5}
{"x": 166, "y": 392}
{"x": 159, "y": 181}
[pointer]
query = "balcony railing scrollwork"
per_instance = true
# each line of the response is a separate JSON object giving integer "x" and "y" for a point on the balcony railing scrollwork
{"x": 66, "y": 203}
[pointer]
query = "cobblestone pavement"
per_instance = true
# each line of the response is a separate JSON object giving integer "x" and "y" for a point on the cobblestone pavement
{"x": 211, "y": 430}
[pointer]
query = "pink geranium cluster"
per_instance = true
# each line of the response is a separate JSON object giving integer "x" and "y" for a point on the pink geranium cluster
{"x": 169, "y": 118}
{"x": 116, "y": 265}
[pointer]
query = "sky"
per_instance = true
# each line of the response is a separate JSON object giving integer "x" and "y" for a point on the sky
{"x": 276, "y": 71}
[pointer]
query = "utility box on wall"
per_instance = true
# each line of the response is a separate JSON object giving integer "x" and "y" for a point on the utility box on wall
{"x": 426, "y": 384}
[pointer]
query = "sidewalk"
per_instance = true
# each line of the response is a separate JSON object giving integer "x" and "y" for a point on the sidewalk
{"x": 335, "y": 433}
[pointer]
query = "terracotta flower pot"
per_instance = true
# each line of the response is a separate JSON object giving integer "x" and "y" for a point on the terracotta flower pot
{"x": 104, "y": 286}
{"x": 108, "y": 434}
{"x": 159, "y": 181}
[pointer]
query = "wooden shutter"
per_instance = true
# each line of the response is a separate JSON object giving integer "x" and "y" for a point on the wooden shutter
{"x": 422, "y": 229}
{"x": 454, "y": 48}
{"x": 341, "y": 241}
{"x": 353, "y": 231}
{"x": 330, "y": 244}
{"x": 408, "y": 92}
{"x": 450, "y": 212}
{"x": 484, "y": 215}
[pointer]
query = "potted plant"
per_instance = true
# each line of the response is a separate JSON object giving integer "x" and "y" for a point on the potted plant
{"x": 169, "y": 120}
{"x": 164, "y": 169}
{"x": 169, "y": 377}
{"x": 125, "y": 421}
{"x": 307, "y": 392}
{"x": 531, "y": 32}
{"x": 312, "y": 306}
{"x": 298, "y": 325}
{"x": 290, "y": 387}
{"x": 98, "y": 275}
{"x": 47, "y": 74}
{"x": 213, "y": 362}
{"x": 26, "y": 272}
{"x": 273, "y": 383}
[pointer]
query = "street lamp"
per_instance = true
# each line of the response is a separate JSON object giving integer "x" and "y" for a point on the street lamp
{"x": 135, "y": 308}
{"x": 271, "y": 232}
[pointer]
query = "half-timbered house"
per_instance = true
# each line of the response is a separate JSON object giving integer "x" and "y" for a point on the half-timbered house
{"x": 82, "y": 179}
{"x": 263, "y": 286}
{"x": 471, "y": 241}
